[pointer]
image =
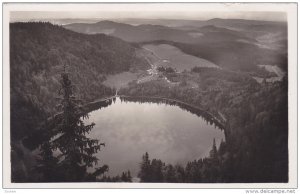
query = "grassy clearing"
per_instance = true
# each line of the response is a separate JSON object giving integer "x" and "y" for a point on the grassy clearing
{"x": 120, "y": 80}
{"x": 171, "y": 56}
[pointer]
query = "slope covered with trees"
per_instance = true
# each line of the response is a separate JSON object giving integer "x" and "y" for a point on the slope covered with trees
{"x": 231, "y": 55}
{"x": 66, "y": 153}
{"x": 206, "y": 170}
{"x": 37, "y": 53}
{"x": 255, "y": 114}
{"x": 76, "y": 150}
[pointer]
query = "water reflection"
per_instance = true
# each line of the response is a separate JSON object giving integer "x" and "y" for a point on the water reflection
{"x": 130, "y": 128}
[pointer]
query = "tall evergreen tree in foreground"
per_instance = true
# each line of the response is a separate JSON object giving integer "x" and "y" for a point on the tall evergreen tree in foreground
{"x": 77, "y": 150}
{"x": 47, "y": 165}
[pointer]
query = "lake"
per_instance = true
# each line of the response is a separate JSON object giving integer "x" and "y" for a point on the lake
{"x": 167, "y": 132}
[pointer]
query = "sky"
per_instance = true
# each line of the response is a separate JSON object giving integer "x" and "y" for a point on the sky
{"x": 148, "y": 14}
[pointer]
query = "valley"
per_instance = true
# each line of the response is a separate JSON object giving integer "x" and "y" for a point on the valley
{"x": 170, "y": 56}
{"x": 217, "y": 66}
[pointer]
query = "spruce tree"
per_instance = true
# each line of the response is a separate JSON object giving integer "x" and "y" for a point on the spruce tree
{"x": 77, "y": 150}
{"x": 124, "y": 177}
{"x": 145, "y": 169}
{"x": 213, "y": 152}
{"x": 222, "y": 148}
{"x": 47, "y": 164}
{"x": 129, "y": 177}
{"x": 157, "y": 171}
{"x": 170, "y": 174}
{"x": 213, "y": 170}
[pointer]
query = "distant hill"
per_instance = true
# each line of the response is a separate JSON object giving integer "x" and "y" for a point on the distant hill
{"x": 235, "y": 44}
{"x": 242, "y": 23}
{"x": 37, "y": 53}
{"x": 269, "y": 34}
{"x": 212, "y": 33}
{"x": 273, "y": 34}
{"x": 226, "y": 23}
{"x": 151, "y": 32}
{"x": 233, "y": 55}
{"x": 130, "y": 33}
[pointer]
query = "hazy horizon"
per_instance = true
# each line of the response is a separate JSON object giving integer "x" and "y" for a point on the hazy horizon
{"x": 23, "y": 16}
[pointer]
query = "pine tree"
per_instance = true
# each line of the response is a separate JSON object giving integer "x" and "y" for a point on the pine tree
{"x": 124, "y": 177}
{"x": 157, "y": 171}
{"x": 145, "y": 169}
{"x": 129, "y": 177}
{"x": 77, "y": 149}
{"x": 47, "y": 165}
{"x": 170, "y": 174}
{"x": 213, "y": 164}
{"x": 95, "y": 176}
{"x": 222, "y": 148}
{"x": 213, "y": 152}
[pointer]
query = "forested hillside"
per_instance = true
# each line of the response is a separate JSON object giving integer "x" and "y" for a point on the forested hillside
{"x": 38, "y": 52}
{"x": 232, "y": 55}
{"x": 255, "y": 116}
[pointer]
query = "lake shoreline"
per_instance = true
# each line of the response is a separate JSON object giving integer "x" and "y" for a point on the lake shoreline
{"x": 92, "y": 105}
{"x": 104, "y": 102}
{"x": 166, "y": 130}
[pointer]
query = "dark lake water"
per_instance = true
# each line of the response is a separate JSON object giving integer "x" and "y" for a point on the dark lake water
{"x": 166, "y": 132}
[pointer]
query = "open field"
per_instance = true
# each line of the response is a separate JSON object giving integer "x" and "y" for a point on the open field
{"x": 171, "y": 56}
